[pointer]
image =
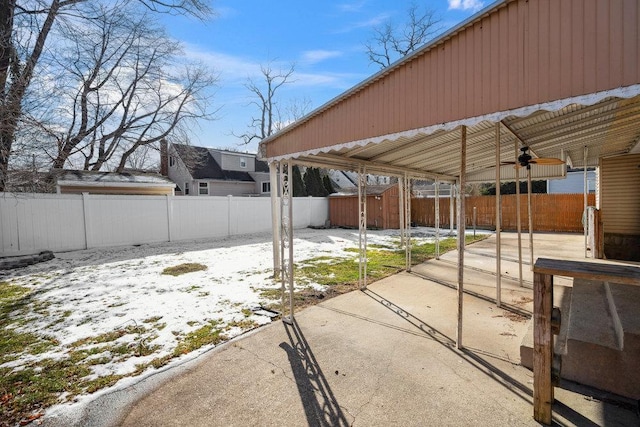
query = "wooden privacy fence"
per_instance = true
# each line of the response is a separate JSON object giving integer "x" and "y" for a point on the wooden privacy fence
{"x": 550, "y": 212}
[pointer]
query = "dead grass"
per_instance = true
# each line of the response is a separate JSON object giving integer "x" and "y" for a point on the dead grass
{"x": 188, "y": 267}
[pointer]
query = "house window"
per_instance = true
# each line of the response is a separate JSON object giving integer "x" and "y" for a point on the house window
{"x": 186, "y": 188}
{"x": 203, "y": 188}
{"x": 172, "y": 161}
{"x": 243, "y": 162}
{"x": 266, "y": 187}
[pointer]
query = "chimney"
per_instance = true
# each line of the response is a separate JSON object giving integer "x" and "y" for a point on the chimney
{"x": 164, "y": 158}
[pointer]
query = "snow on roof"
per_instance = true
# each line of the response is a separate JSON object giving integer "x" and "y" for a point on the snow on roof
{"x": 77, "y": 177}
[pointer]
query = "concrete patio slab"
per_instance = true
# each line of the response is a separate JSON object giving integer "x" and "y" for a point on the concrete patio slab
{"x": 379, "y": 357}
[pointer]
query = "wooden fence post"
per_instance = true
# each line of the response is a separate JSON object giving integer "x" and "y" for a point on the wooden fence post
{"x": 542, "y": 347}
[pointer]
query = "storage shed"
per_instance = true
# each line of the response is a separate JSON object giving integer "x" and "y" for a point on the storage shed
{"x": 383, "y": 207}
{"x": 98, "y": 182}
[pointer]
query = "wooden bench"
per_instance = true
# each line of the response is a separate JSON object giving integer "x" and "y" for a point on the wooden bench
{"x": 543, "y": 271}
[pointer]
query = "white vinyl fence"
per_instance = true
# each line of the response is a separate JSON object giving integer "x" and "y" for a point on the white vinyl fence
{"x": 30, "y": 223}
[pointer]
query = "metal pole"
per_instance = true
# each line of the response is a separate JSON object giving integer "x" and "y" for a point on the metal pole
{"x": 275, "y": 218}
{"x": 498, "y": 221}
{"x": 530, "y": 217}
{"x": 401, "y": 211}
{"x": 289, "y": 180}
{"x": 286, "y": 237}
{"x": 518, "y": 219}
{"x": 437, "y": 218}
{"x": 475, "y": 214}
{"x": 584, "y": 214}
{"x": 362, "y": 237}
{"x": 461, "y": 230}
{"x": 407, "y": 215}
{"x": 452, "y": 190}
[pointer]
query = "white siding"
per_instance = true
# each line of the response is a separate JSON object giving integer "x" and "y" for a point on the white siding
{"x": 231, "y": 188}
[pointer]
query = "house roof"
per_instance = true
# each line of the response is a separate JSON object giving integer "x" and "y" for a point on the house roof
{"x": 202, "y": 165}
{"x": 262, "y": 166}
{"x": 111, "y": 179}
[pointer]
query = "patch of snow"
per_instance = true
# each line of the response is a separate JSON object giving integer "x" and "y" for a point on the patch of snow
{"x": 88, "y": 293}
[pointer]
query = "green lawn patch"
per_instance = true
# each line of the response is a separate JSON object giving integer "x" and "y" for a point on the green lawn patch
{"x": 188, "y": 267}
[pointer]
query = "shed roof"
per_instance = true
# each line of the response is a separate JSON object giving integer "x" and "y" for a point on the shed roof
{"x": 557, "y": 76}
{"x": 113, "y": 179}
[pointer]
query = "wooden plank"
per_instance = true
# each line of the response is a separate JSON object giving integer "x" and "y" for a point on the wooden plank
{"x": 616, "y": 273}
{"x": 542, "y": 347}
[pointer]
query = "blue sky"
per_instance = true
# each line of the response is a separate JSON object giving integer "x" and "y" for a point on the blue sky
{"x": 324, "y": 39}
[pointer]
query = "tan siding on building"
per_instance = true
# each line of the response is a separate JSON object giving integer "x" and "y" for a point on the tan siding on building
{"x": 620, "y": 204}
{"x": 521, "y": 53}
{"x": 140, "y": 191}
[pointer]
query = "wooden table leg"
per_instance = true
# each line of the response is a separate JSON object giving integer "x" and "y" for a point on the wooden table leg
{"x": 542, "y": 347}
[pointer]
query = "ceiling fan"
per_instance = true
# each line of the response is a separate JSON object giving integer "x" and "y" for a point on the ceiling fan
{"x": 525, "y": 160}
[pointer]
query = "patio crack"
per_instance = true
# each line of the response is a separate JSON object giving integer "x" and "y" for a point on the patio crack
{"x": 269, "y": 362}
{"x": 376, "y": 388}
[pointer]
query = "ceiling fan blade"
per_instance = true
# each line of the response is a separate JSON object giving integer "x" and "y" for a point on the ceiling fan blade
{"x": 547, "y": 161}
{"x": 508, "y": 163}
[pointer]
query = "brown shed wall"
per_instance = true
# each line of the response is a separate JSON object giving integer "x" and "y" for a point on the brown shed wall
{"x": 382, "y": 210}
{"x": 522, "y": 53}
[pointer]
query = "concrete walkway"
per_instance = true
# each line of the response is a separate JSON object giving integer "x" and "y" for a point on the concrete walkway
{"x": 379, "y": 357}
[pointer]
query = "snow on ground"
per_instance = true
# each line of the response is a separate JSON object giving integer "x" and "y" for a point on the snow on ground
{"x": 87, "y": 293}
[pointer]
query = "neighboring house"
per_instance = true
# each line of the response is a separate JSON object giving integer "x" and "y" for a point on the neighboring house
{"x": 201, "y": 171}
{"x": 96, "y": 182}
{"x": 573, "y": 183}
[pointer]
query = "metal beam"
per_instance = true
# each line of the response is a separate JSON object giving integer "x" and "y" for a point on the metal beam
{"x": 275, "y": 218}
{"x": 286, "y": 237}
{"x": 362, "y": 229}
{"x": 437, "y": 217}
{"x": 518, "y": 218}
{"x": 461, "y": 231}
{"x": 498, "y": 220}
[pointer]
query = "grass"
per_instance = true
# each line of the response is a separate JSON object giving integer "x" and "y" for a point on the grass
{"x": 187, "y": 267}
{"x": 25, "y": 392}
{"x": 340, "y": 274}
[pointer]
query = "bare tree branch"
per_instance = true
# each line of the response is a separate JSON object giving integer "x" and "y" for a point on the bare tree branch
{"x": 389, "y": 42}
{"x": 25, "y": 32}
{"x": 264, "y": 94}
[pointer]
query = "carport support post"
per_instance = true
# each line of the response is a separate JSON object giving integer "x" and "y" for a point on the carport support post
{"x": 498, "y": 221}
{"x": 407, "y": 215}
{"x": 286, "y": 236}
{"x": 362, "y": 226}
{"x": 437, "y": 218}
{"x": 452, "y": 190}
{"x": 518, "y": 217}
{"x": 401, "y": 211}
{"x": 275, "y": 218}
{"x": 584, "y": 212}
{"x": 461, "y": 231}
{"x": 530, "y": 217}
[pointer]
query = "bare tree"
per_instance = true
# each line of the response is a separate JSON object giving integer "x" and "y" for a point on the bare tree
{"x": 264, "y": 94}
{"x": 122, "y": 91}
{"x": 25, "y": 27}
{"x": 390, "y": 42}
